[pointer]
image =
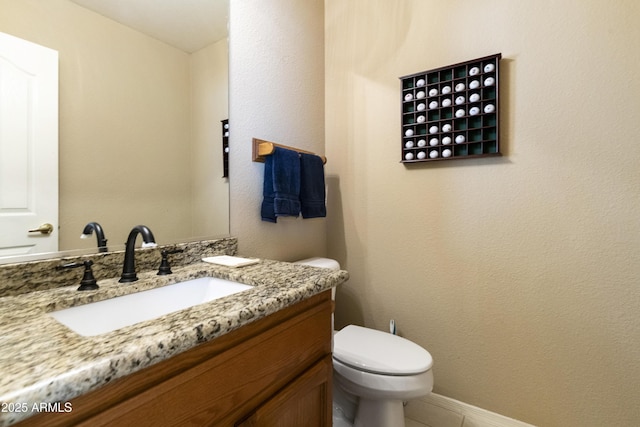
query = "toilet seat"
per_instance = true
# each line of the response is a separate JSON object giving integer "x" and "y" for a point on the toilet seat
{"x": 379, "y": 352}
{"x": 378, "y": 386}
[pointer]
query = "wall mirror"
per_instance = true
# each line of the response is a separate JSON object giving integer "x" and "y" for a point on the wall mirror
{"x": 143, "y": 88}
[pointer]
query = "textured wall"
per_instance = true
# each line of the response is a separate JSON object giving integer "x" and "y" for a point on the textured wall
{"x": 277, "y": 94}
{"x": 519, "y": 274}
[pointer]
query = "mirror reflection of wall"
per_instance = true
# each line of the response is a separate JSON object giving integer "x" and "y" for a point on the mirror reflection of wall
{"x": 139, "y": 134}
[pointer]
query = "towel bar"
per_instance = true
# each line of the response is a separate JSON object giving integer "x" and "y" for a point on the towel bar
{"x": 262, "y": 148}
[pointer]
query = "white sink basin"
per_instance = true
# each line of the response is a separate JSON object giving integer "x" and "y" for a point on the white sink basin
{"x": 115, "y": 313}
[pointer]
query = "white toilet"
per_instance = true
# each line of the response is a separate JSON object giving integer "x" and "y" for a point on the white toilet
{"x": 374, "y": 372}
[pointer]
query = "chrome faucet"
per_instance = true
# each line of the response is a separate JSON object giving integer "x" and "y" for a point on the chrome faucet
{"x": 129, "y": 269}
{"x": 88, "y": 230}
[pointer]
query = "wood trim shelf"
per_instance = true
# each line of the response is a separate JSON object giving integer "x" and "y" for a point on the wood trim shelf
{"x": 262, "y": 148}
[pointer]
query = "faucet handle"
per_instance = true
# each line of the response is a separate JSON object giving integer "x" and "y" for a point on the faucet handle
{"x": 165, "y": 268}
{"x": 88, "y": 282}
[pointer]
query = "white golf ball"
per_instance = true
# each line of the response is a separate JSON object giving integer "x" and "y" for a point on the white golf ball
{"x": 489, "y": 108}
{"x": 460, "y": 139}
{"x": 474, "y": 111}
{"x": 489, "y": 68}
{"x": 433, "y": 142}
{"x": 408, "y": 144}
{"x": 446, "y": 128}
{"x": 421, "y": 107}
{"x": 433, "y": 154}
{"x": 420, "y": 82}
{"x": 460, "y": 113}
{"x": 446, "y": 90}
{"x": 408, "y": 156}
{"x": 446, "y": 140}
{"x": 421, "y": 119}
{"x": 474, "y": 84}
{"x": 433, "y": 129}
{"x": 422, "y": 143}
{"x": 460, "y": 100}
{"x": 433, "y": 92}
{"x": 408, "y": 132}
{"x": 474, "y": 71}
{"x": 489, "y": 81}
{"x": 459, "y": 87}
{"x": 422, "y": 155}
{"x": 420, "y": 94}
{"x": 446, "y": 153}
{"x": 474, "y": 97}
{"x": 408, "y": 97}
{"x": 446, "y": 102}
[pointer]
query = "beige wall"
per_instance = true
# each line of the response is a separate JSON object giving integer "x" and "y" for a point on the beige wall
{"x": 520, "y": 274}
{"x": 276, "y": 93}
{"x": 125, "y": 125}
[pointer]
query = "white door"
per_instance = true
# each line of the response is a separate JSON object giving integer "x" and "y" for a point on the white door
{"x": 28, "y": 147}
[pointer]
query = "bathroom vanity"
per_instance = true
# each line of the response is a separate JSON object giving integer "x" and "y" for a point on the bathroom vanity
{"x": 276, "y": 368}
{"x": 245, "y": 359}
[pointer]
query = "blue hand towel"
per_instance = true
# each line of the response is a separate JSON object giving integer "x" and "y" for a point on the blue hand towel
{"x": 267, "y": 211}
{"x": 281, "y": 187}
{"x": 312, "y": 192}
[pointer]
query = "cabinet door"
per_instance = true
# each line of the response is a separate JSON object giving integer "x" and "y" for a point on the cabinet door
{"x": 306, "y": 401}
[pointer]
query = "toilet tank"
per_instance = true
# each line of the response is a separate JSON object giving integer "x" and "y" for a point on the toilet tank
{"x": 323, "y": 263}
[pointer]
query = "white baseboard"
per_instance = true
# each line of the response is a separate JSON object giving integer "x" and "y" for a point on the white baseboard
{"x": 435, "y": 410}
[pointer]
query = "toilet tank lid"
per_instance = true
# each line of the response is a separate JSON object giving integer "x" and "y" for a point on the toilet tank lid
{"x": 320, "y": 262}
{"x": 379, "y": 352}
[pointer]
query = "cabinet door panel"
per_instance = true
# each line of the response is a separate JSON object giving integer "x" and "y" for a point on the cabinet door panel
{"x": 304, "y": 402}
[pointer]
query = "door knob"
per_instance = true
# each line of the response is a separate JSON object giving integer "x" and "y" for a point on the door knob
{"x": 44, "y": 229}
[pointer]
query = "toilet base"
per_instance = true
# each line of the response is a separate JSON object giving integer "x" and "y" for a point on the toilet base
{"x": 341, "y": 422}
{"x": 379, "y": 413}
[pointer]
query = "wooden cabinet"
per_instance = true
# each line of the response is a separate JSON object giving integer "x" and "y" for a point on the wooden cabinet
{"x": 304, "y": 402}
{"x": 275, "y": 371}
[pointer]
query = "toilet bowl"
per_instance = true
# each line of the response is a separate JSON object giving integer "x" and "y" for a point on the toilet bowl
{"x": 374, "y": 372}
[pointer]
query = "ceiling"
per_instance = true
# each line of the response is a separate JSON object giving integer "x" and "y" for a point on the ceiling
{"x": 188, "y": 25}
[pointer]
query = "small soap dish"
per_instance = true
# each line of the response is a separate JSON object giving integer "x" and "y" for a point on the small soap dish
{"x": 231, "y": 261}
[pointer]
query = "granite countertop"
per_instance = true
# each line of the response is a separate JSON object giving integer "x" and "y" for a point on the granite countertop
{"x": 42, "y": 361}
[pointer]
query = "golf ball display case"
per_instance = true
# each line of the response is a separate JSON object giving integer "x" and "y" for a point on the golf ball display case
{"x": 452, "y": 112}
